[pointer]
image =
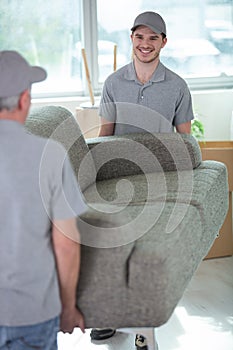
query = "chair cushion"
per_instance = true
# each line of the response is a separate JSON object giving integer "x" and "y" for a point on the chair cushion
{"x": 134, "y": 196}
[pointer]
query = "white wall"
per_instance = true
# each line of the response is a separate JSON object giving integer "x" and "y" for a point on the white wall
{"x": 214, "y": 109}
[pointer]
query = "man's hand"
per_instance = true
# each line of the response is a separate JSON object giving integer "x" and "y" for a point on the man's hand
{"x": 71, "y": 319}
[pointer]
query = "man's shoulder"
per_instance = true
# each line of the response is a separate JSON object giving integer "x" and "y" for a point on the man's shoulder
{"x": 173, "y": 76}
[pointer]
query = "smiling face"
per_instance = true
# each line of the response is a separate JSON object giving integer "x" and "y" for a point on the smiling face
{"x": 147, "y": 44}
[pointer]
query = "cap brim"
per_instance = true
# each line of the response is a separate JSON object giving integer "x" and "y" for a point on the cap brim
{"x": 37, "y": 74}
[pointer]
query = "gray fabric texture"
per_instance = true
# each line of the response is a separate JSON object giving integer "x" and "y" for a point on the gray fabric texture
{"x": 132, "y": 154}
{"x": 145, "y": 233}
{"x": 59, "y": 124}
{"x": 142, "y": 282}
{"x": 160, "y": 264}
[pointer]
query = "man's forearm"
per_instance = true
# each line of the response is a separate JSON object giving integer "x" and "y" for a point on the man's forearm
{"x": 106, "y": 127}
{"x": 67, "y": 253}
{"x": 184, "y": 128}
{"x": 68, "y": 271}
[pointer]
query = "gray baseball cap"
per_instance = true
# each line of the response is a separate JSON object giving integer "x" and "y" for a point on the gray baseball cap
{"x": 16, "y": 75}
{"x": 152, "y": 20}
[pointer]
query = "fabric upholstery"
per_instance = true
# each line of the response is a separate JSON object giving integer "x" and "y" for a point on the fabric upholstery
{"x": 155, "y": 210}
{"x": 142, "y": 153}
{"x": 59, "y": 124}
{"x": 161, "y": 263}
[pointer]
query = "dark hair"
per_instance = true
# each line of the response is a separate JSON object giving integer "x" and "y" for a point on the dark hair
{"x": 163, "y": 35}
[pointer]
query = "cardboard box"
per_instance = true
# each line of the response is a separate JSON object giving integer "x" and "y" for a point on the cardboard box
{"x": 89, "y": 121}
{"x": 221, "y": 151}
{"x": 223, "y": 244}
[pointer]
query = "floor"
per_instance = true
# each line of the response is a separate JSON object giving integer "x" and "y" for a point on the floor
{"x": 203, "y": 319}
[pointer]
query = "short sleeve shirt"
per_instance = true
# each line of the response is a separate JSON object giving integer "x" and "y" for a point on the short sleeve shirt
{"x": 37, "y": 186}
{"x": 157, "y": 106}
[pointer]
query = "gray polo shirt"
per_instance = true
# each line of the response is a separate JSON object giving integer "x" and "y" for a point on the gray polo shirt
{"x": 157, "y": 106}
{"x": 37, "y": 185}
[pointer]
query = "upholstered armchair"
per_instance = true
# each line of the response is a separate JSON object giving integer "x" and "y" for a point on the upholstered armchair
{"x": 155, "y": 209}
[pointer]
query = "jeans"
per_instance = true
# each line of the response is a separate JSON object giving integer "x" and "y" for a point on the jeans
{"x": 41, "y": 336}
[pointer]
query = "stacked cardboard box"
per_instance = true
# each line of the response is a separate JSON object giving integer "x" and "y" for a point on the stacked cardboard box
{"x": 221, "y": 151}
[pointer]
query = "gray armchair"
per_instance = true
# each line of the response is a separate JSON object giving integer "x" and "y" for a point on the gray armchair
{"x": 155, "y": 211}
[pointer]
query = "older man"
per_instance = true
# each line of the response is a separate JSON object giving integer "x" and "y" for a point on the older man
{"x": 39, "y": 241}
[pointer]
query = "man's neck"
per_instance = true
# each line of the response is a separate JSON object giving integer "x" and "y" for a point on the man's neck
{"x": 144, "y": 71}
{"x": 12, "y": 115}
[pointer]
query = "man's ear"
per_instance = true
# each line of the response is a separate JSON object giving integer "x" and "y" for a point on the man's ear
{"x": 164, "y": 42}
{"x": 24, "y": 100}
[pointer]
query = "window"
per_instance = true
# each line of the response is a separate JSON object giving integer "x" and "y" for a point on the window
{"x": 199, "y": 48}
{"x": 200, "y": 35}
{"x": 45, "y": 32}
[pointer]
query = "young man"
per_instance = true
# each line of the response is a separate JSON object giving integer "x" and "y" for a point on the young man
{"x": 39, "y": 241}
{"x": 144, "y": 96}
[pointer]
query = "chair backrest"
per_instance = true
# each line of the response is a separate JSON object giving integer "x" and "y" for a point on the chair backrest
{"x": 137, "y": 153}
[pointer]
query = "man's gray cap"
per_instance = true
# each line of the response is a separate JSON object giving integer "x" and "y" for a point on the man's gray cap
{"x": 16, "y": 75}
{"x": 152, "y": 20}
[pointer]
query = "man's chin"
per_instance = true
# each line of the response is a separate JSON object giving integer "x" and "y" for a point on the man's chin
{"x": 148, "y": 59}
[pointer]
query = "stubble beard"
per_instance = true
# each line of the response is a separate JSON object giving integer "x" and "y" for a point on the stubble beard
{"x": 154, "y": 58}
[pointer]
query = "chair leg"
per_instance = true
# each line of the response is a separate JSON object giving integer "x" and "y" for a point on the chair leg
{"x": 148, "y": 333}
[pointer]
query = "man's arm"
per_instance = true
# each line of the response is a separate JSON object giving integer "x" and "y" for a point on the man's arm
{"x": 184, "y": 128}
{"x": 66, "y": 238}
{"x": 106, "y": 127}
